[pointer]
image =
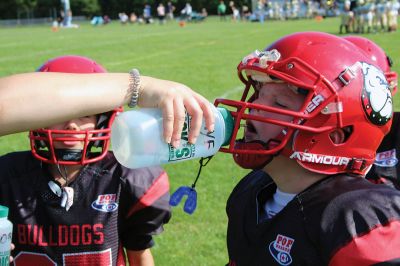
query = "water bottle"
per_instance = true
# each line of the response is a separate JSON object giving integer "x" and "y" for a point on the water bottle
{"x": 136, "y": 138}
{"x": 5, "y": 237}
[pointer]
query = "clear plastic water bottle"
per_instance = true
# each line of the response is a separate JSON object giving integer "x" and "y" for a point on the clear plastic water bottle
{"x": 5, "y": 237}
{"x": 136, "y": 138}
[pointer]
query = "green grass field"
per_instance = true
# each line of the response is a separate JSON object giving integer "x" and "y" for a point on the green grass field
{"x": 203, "y": 56}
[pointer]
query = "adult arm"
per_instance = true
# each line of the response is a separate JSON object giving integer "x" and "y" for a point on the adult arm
{"x": 35, "y": 100}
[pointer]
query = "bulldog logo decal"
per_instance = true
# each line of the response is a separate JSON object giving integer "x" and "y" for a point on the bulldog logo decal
{"x": 376, "y": 97}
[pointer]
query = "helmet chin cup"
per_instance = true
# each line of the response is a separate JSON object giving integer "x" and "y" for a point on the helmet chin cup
{"x": 64, "y": 155}
{"x": 251, "y": 161}
{"x": 69, "y": 155}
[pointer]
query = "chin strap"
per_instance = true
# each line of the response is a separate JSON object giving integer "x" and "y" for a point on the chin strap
{"x": 73, "y": 155}
{"x": 70, "y": 155}
{"x": 252, "y": 161}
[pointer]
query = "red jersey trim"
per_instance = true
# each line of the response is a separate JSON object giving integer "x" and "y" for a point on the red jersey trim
{"x": 157, "y": 189}
{"x": 379, "y": 245}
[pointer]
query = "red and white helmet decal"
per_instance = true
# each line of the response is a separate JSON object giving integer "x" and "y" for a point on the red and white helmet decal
{"x": 376, "y": 96}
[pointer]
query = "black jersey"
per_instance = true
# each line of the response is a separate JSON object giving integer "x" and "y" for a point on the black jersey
{"x": 386, "y": 169}
{"x": 340, "y": 220}
{"x": 114, "y": 207}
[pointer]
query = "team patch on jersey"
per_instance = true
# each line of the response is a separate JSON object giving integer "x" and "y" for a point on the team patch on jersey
{"x": 280, "y": 249}
{"x": 386, "y": 158}
{"x": 105, "y": 203}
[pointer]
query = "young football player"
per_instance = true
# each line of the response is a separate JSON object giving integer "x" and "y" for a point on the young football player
{"x": 71, "y": 202}
{"x": 393, "y": 13}
{"x": 385, "y": 168}
{"x": 381, "y": 15}
{"x": 345, "y": 17}
{"x": 318, "y": 112}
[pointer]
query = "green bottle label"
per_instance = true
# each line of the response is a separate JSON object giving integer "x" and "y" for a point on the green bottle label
{"x": 182, "y": 153}
{"x": 185, "y": 150}
{"x": 4, "y": 258}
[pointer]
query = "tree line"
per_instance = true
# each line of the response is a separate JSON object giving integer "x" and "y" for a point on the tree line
{"x": 12, "y": 9}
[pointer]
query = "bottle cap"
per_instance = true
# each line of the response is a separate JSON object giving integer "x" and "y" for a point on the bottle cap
{"x": 228, "y": 119}
{"x": 3, "y": 211}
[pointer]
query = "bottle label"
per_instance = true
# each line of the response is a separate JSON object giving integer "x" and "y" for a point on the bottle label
{"x": 185, "y": 150}
{"x": 5, "y": 245}
{"x": 5, "y": 258}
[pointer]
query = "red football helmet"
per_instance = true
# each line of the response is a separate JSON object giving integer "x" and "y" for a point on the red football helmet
{"x": 344, "y": 92}
{"x": 96, "y": 142}
{"x": 378, "y": 56}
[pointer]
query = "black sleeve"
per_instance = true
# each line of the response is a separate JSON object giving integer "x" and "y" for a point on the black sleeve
{"x": 355, "y": 224}
{"x": 144, "y": 206}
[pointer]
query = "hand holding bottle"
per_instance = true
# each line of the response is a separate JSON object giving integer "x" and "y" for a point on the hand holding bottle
{"x": 174, "y": 100}
{"x": 136, "y": 138}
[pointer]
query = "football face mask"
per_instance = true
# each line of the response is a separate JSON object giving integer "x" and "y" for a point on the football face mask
{"x": 94, "y": 143}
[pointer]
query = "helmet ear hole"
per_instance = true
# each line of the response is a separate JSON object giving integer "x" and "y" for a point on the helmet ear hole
{"x": 341, "y": 135}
